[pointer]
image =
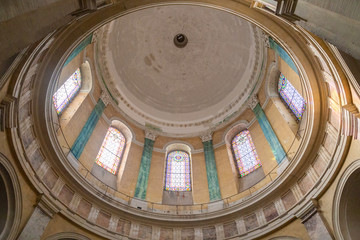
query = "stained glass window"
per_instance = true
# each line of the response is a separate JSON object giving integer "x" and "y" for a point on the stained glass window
{"x": 292, "y": 97}
{"x": 245, "y": 153}
{"x": 111, "y": 150}
{"x": 178, "y": 171}
{"x": 63, "y": 96}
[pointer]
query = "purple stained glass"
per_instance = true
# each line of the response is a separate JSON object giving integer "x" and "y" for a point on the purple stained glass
{"x": 292, "y": 97}
{"x": 177, "y": 172}
{"x": 245, "y": 153}
{"x": 63, "y": 96}
{"x": 111, "y": 150}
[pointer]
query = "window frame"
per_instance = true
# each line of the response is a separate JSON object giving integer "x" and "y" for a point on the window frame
{"x": 237, "y": 161}
{"x": 182, "y": 189}
{"x": 298, "y": 113}
{"x": 120, "y": 157}
{"x": 73, "y": 95}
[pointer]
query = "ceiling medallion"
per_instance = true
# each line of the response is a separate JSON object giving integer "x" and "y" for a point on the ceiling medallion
{"x": 180, "y": 40}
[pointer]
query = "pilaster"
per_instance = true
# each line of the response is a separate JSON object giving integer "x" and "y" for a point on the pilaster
{"x": 143, "y": 176}
{"x": 211, "y": 171}
{"x": 41, "y": 216}
{"x": 269, "y": 133}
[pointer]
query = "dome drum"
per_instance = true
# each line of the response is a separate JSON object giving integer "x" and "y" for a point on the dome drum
{"x": 45, "y": 157}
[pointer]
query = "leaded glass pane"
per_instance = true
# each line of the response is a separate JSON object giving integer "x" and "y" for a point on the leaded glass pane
{"x": 245, "y": 153}
{"x": 111, "y": 150}
{"x": 177, "y": 171}
{"x": 63, "y": 96}
{"x": 292, "y": 97}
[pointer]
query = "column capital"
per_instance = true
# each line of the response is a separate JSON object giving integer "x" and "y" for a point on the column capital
{"x": 150, "y": 134}
{"x": 253, "y": 101}
{"x": 206, "y": 136}
{"x": 265, "y": 38}
{"x": 47, "y": 206}
{"x": 105, "y": 97}
{"x": 95, "y": 36}
{"x": 308, "y": 211}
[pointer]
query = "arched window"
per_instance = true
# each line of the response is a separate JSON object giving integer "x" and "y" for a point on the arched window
{"x": 63, "y": 96}
{"x": 111, "y": 150}
{"x": 292, "y": 97}
{"x": 178, "y": 171}
{"x": 245, "y": 153}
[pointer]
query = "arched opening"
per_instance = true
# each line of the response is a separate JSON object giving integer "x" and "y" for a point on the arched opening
{"x": 291, "y": 97}
{"x": 73, "y": 87}
{"x": 178, "y": 179}
{"x": 10, "y": 200}
{"x": 348, "y": 210}
{"x": 281, "y": 68}
{"x": 247, "y": 175}
{"x": 110, "y": 161}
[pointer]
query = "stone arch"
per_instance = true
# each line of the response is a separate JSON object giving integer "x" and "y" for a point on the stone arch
{"x": 10, "y": 202}
{"x": 346, "y": 213}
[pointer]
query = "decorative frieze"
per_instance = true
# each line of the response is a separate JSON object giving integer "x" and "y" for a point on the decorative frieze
{"x": 240, "y": 224}
{"x": 93, "y": 214}
{"x": 75, "y": 201}
{"x": 297, "y": 192}
{"x": 279, "y": 205}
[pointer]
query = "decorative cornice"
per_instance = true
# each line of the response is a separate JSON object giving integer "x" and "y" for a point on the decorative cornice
{"x": 206, "y": 136}
{"x": 253, "y": 101}
{"x": 150, "y": 134}
{"x": 105, "y": 97}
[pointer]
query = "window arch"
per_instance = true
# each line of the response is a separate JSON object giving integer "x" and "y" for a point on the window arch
{"x": 66, "y": 93}
{"x": 177, "y": 173}
{"x": 111, "y": 150}
{"x": 247, "y": 159}
{"x": 291, "y": 96}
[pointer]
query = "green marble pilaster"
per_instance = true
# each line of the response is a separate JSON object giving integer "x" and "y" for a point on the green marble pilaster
{"x": 211, "y": 171}
{"x": 269, "y": 133}
{"x": 87, "y": 130}
{"x": 283, "y": 54}
{"x": 79, "y": 48}
{"x": 142, "y": 181}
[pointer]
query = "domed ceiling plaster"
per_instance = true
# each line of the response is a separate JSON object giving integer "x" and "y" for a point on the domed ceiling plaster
{"x": 180, "y": 91}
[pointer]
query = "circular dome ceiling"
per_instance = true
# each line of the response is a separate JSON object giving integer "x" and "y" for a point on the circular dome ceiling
{"x": 176, "y": 90}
